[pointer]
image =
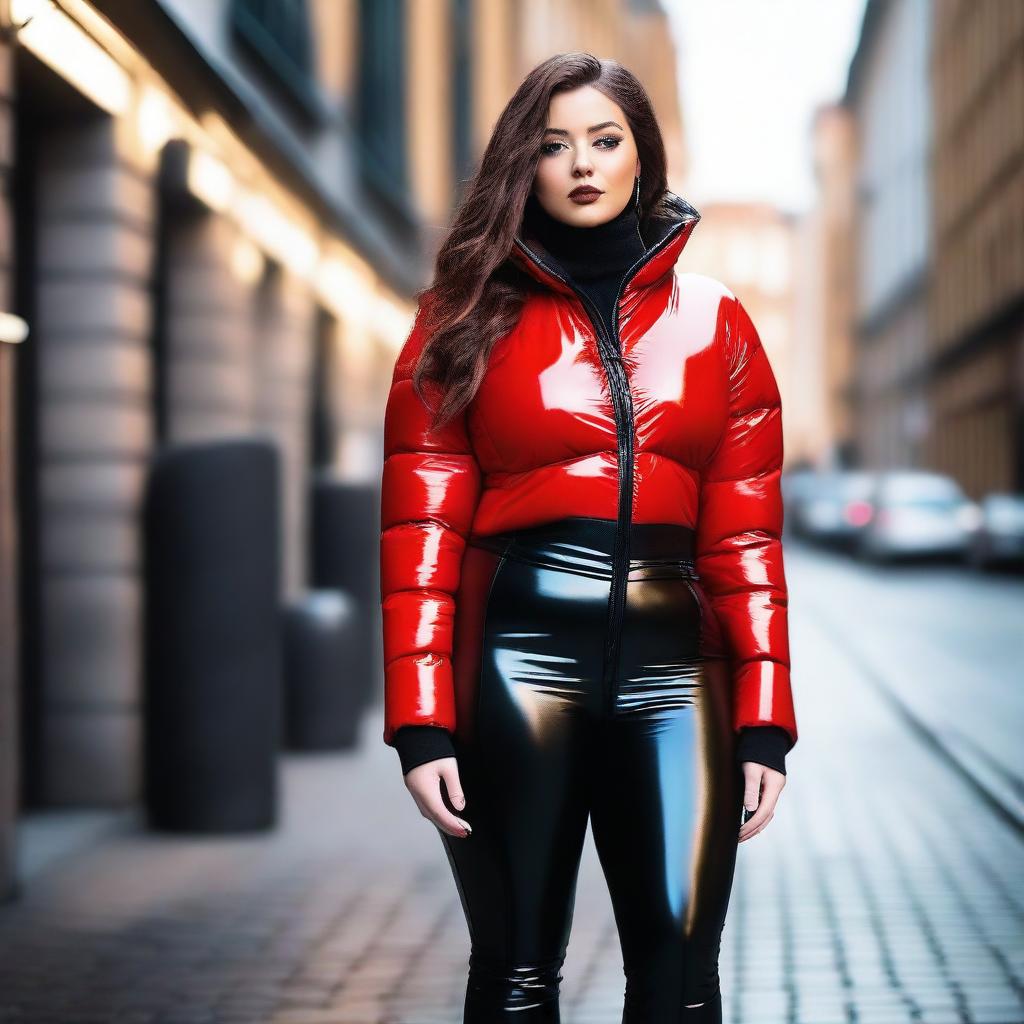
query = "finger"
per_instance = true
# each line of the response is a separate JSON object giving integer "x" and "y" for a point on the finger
{"x": 744, "y": 836}
{"x": 443, "y": 818}
{"x": 762, "y": 810}
{"x": 450, "y": 773}
{"x": 769, "y": 799}
{"x": 754, "y": 825}
{"x": 424, "y": 783}
{"x": 752, "y": 774}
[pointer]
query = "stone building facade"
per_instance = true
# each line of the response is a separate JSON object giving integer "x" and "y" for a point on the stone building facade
{"x": 216, "y": 218}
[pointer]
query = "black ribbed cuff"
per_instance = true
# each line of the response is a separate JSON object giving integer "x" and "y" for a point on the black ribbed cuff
{"x": 764, "y": 744}
{"x": 418, "y": 744}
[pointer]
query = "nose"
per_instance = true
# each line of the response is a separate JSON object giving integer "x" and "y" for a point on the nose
{"x": 582, "y": 164}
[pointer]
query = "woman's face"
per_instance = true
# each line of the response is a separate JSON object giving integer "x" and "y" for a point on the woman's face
{"x": 587, "y": 143}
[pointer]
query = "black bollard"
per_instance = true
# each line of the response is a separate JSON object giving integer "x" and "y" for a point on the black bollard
{"x": 345, "y": 555}
{"x": 213, "y": 637}
{"x": 323, "y": 632}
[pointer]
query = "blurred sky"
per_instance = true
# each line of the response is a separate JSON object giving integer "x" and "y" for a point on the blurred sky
{"x": 751, "y": 74}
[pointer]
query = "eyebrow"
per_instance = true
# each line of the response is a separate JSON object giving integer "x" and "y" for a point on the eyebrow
{"x": 593, "y": 128}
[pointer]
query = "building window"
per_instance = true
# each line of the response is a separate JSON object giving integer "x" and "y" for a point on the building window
{"x": 278, "y": 33}
{"x": 462, "y": 90}
{"x": 380, "y": 108}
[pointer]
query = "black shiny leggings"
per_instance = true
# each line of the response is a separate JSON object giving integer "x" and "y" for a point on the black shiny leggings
{"x": 545, "y": 740}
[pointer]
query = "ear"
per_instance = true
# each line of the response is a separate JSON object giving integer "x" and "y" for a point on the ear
{"x": 637, "y": 175}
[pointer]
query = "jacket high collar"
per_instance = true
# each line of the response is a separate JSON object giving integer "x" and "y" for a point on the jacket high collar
{"x": 665, "y": 236}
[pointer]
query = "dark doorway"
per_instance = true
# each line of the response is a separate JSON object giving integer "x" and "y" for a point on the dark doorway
{"x": 44, "y": 105}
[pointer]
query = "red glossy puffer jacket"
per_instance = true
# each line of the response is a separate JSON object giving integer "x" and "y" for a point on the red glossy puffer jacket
{"x": 684, "y": 426}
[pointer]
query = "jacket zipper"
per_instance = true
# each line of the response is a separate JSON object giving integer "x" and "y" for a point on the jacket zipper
{"x": 610, "y": 351}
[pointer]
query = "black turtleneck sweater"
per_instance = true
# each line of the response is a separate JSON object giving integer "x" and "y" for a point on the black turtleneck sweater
{"x": 596, "y": 259}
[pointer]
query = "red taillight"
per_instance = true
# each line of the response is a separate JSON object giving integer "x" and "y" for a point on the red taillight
{"x": 858, "y": 513}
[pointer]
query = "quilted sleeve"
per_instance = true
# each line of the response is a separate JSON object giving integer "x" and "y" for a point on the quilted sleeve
{"x": 430, "y": 486}
{"x": 739, "y": 533}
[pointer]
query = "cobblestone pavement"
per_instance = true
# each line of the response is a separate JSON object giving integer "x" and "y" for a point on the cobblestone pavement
{"x": 884, "y": 891}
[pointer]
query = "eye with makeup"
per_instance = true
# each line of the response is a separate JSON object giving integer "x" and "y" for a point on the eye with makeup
{"x": 614, "y": 141}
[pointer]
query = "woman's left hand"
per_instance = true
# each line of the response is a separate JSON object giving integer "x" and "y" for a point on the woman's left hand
{"x": 762, "y": 786}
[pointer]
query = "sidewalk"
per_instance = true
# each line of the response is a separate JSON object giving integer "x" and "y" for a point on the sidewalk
{"x": 944, "y": 648}
{"x": 883, "y": 892}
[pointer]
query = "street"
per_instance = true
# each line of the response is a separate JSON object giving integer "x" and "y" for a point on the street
{"x": 885, "y": 890}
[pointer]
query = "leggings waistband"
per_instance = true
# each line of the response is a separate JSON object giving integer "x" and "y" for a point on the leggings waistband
{"x": 585, "y": 545}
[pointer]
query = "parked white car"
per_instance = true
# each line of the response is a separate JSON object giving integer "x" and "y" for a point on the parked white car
{"x": 918, "y": 512}
{"x": 1000, "y": 534}
{"x": 833, "y": 507}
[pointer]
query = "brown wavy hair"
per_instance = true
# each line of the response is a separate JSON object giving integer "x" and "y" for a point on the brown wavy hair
{"x": 477, "y": 292}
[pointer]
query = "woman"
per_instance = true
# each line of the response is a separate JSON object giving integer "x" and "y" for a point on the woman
{"x": 584, "y": 601}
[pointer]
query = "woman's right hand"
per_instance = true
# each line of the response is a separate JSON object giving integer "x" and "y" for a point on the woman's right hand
{"x": 424, "y": 782}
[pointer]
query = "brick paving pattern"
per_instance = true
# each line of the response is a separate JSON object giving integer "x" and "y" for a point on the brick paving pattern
{"x": 883, "y": 892}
